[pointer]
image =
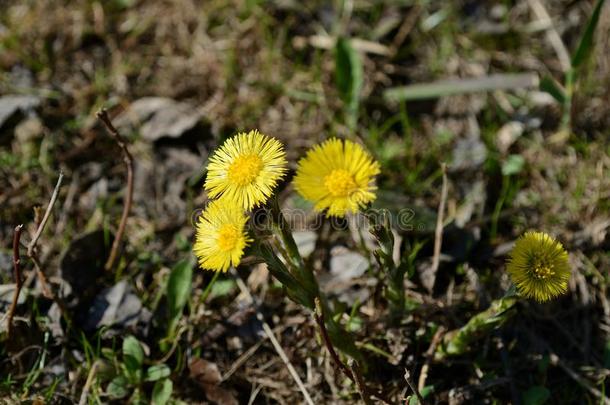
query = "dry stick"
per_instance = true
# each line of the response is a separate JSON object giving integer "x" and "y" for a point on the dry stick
{"x": 46, "y": 216}
{"x": 32, "y": 245}
{"x": 420, "y": 399}
{"x": 276, "y": 345}
{"x": 88, "y": 383}
{"x": 429, "y": 355}
{"x": 438, "y": 233}
{"x": 361, "y": 45}
{"x": 18, "y": 284}
{"x": 128, "y": 159}
{"x": 44, "y": 284}
{"x": 363, "y": 389}
{"x": 552, "y": 35}
{"x": 244, "y": 357}
{"x": 405, "y": 28}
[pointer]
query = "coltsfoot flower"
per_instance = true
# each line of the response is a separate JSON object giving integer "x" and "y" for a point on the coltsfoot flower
{"x": 221, "y": 237}
{"x": 538, "y": 265}
{"x": 337, "y": 176}
{"x": 246, "y": 169}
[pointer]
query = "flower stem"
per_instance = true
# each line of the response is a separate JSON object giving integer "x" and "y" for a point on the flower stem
{"x": 301, "y": 284}
{"x": 458, "y": 341}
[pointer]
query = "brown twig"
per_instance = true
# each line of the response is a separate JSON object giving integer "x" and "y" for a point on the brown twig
{"x": 429, "y": 355}
{"x": 364, "y": 390}
{"x": 420, "y": 399}
{"x": 31, "y": 252}
{"x": 102, "y": 115}
{"x": 438, "y": 233}
{"x": 405, "y": 29}
{"x": 44, "y": 284}
{"x": 245, "y": 356}
{"x": 33, "y": 255}
{"x": 355, "y": 368}
{"x": 45, "y": 218}
{"x": 85, "y": 393}
{"x": 18, "y": 284}
{"x": 552, "y": 35}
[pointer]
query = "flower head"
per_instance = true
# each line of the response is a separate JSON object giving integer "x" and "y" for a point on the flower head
{"x": 538, "y": 265}
{"x": 220, "y": 235}
{"x": 246, "y": 169}
{"x": 337, "y": 176}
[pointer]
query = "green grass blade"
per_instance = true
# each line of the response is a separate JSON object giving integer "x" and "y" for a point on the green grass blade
{"x": 549, "y": 85}
{"x": 348, "y": 74}
{"x": 178, "y": 290}
{"x": 586, "y": 42}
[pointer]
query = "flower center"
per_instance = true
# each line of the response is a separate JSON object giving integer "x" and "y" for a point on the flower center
{"x": 245, "y": 169}
{"x": 228, "y": 236}
{"x": 542, "y": 271}
{"x": 339, "y": 183}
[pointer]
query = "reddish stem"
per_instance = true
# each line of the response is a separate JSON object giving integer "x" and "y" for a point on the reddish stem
{"x": 128, "y": 159}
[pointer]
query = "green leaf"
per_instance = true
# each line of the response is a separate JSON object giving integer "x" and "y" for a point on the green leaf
{"x": 586, "y": 42}
{"x": 427, "y": 390}
{"x": 157, "y": 372}
{"x": 108, "y": 353}
{"x": 162, "y": 392}
{"x": 536, "y": 395}
{"x": 548, "y": 84}
{"x": 223, "y": 287}
{"x": 118, "y": 387}
{"x": 513, "y": 165}
{"x": 355, "y": 324}
{"x": 133, "y": 355}
{"x": 178, "y": 290}
{"x": 348, "y": 73}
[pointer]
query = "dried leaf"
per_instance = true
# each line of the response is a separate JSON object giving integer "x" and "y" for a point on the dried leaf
{"x": 158, "y": 117}
{"x": 206, "y": 374}
{"x": 116, "y": 306}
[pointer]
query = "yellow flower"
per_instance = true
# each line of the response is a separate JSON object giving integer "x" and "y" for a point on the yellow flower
{"x": 220, "y": 235}
{"x": 337, "y": 176}
{"x": 246, "y": 169}
{"x": 538, "y": 265}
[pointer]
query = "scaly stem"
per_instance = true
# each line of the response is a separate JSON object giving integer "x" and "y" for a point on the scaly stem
{"x": 301, "y": 284}
{"x": 295, "y": 261}
{"x": 394, "y": 291}
{"x": 458, "y": 341}
{"x": 354, "y": 373}
{"x": 281, "y": 225}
